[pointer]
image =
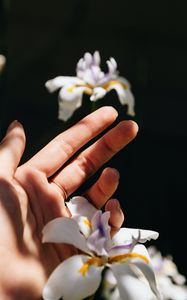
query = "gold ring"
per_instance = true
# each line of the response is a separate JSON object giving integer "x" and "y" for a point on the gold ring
{"x": 61, "y": 188}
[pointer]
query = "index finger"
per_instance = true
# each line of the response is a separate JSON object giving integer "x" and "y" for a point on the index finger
{"x": 61, "y": 148}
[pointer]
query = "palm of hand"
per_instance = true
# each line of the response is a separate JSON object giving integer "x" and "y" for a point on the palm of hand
{"x": 29, "y": 199}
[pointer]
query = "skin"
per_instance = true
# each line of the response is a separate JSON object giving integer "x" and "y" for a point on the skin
{"x": 32, "y": 194}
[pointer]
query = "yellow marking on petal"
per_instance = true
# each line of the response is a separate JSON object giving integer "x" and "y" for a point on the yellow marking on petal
{"x": 101, "y": 261}
{"x": 113, "y": 82}
{"x": 127, "y": 256}
{"x": 88, "y": 90}
{"x": 84, "y": 269}
{"x": 71, "y": 88}
{"x": 88, "y": 223}
{"x": 98, "y": 261}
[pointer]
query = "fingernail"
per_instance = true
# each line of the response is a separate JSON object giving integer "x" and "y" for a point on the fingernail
{"x": 115, "y": 172}
{"x": 12, "y": 125}
{"x": 115, "y": 203}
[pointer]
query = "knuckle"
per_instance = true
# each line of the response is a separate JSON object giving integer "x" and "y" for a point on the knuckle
{"x": 102, "y": 191}
{"x": 64, "y": 147}
{"x": 86, "y": 165}
{"x": 108, "y": 146}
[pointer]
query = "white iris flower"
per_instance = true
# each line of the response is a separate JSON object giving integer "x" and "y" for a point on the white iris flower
{"x": 170, "y": 281}
{"x": 80, "y": 275}
{"x": 93, "y": 81}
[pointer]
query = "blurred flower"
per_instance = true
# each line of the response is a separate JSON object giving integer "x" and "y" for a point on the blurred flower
{"x": 170, "y": 281}
{"x": 80, "y": 275}
{"x": 2, "y": 62}
{"x": 90, "y": 80}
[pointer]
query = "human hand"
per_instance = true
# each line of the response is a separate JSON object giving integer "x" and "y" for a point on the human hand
{"x": 34, "y": 193}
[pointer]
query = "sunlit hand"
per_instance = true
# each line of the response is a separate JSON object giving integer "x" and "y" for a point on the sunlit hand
{"x": 34, "y": 193}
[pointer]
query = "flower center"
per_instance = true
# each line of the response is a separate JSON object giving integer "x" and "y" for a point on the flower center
{"x": 89, "y": 88}
{"x": 110, "y": 83}
{"x": 98, "y": 261}
{"x": 101, "y": 261}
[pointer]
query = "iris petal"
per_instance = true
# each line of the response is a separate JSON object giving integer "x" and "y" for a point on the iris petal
{"x": 60, "y": 81}
{"x": 80, "y": 206}
{"x": 129, "y": 285}
{"x": 125, "y": 235}
{"x": 146, "y": 269}
{"x": 64, "y": 230}
{"x": 98, "y": 93}
{"x": 85, "y": 225}
{"x": 70, "y": 98}
{"x": 68, "y": 282}
{"x": 125, "y": 97}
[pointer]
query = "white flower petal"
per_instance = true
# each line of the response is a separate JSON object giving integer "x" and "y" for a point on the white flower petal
{"x": 98, "y": 93}
{"x": 113, "y": 61}
{"x": 124, "y": 81}
{"x": 70, "y": 99}
{"x": 84, "y": 225}
{"x": 110, "y": 278}
{"x": 72, "y": 94}
{"x": 96, "y": 243}
{"x": 64, "y": 113}
{"x": 97, "y": 58}
{"x": 80, "y": 206}
{"x": 130, "y": 101}
{"x": 64, "y": 230}
{"x": 141, "y": 249}
{"x": 170, "y": 290}
{"x": 68, "y": 282}
{"x": 150, "y": 276}
{"x": 145, "y": 268}
{"x": 99, "y": 240}
{"x": 100, "y": 222}
{"x": 88, "y": 59}
{"x": 119, "y": 249}
{"x": 89, "y": 77}
{"x": 110, "y": 67}
{"x": 125, "y": 96}
{"x": 60, "y": 81}
{"x": 79, "y": 64}
{"x": 130, "y": 287}
{"x": 126, "y": 235}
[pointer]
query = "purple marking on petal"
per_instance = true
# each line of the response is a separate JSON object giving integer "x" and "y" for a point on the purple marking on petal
{"x": 96, "y": 243}
{"x": 120, "y": 249}
{"x": 101, "y": 230}
{"x": 89, "y": 63}
{"x": 128, "y": 246}
{"x": 100, "y": 222}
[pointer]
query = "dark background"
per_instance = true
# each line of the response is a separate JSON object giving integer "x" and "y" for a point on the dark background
{"x": 43, "y": 39}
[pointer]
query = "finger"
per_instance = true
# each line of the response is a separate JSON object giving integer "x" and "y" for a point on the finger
{"x": 104, "y": 188}
{"x": 91, "y": 159}
{"x": 59, "y": 150}
{"x": 116, "y": 215}
{"x": 11, "y": 148}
